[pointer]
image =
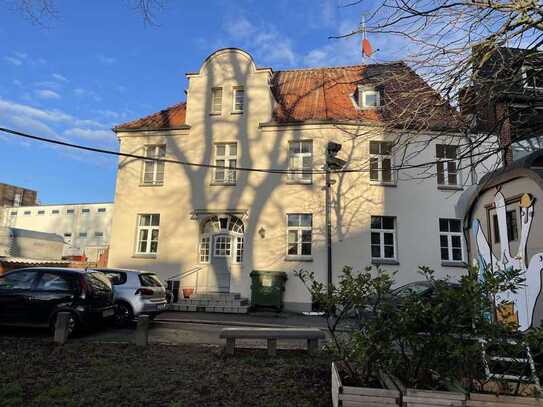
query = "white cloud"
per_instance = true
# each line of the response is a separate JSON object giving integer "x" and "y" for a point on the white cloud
{"x": 107, "y": 60}
{"x": 87, "y": 93}
{"x": 13, "y": 61}
{"x": 60, "y": 77}
{"x": 20, "y": 55}
{"x": 47, "y": 94}
{"x": 89, "y": 134}
{"x": 17, "y": 82}
{"x": 264, "y": 41}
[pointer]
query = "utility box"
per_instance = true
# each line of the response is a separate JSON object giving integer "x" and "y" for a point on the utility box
{"x": 267, "y": 288}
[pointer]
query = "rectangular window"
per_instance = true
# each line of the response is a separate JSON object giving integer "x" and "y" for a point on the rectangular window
{"x": 83, "y": 235}
{"x": 98, "y": 234}
{"x": 368, "y": 98}
{"x": 239, "y": 99}
{"x": 381, "y": 161}
{"x": 67, "y": 235}
{"x": 27, "y": 213}
{"x": 13, "y": 213}
{"x": 383, "y": 237}
{"x": 101, "y": 210}
{"x": 447, "y": 173}
{"x": 70, "y": 211}
{"x": 223, "y": 246}
{"x": 299, "y": 234}
{"x": 239, "y": 249}
{"x": 85, "y": 211}
{"x": 148, "y": 228}
{"x": 533, "y": 77}
{"x": 204, "y": 249}
{"x": 17, "y": 199}
{"x": 226, "y": 155}
{"x": 55, "y": 212}
{"x": 41, "y": 212}
{"x": 216, "y": 100}
{"x": 153, "y": 171}
{"x": 300, "y": 161}
{"x": 450, "y": 239}
{"x": 512, "y": 228}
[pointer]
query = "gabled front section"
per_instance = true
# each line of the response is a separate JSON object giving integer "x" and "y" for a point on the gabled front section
{"x": 242, "y": 185}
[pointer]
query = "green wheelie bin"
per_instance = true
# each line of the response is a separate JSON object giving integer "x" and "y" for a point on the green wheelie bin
{"x": 267, "y": 288}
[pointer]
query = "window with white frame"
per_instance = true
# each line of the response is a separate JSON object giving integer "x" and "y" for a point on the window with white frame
{"x": 222, "y": 246}
{"x": 55, "y": 212}
{"x": 239, "y": 249}
{"x": 238, "y": 99}
{"x": 83, "y": 235}
{"x": 101, "y": 210}
{"x": 27, "y": 213}
{"x": 383, "y": 237}
{"x": 226, "y": 158}
{"x": 147, "y": 234}
{"x": 450, "y": 239}
{"x": 70, "y": 211}
{"x": 299, "y": 234}
{"x": 17, "y": 199}
{"x": 85, "y": 211}
{"x": 99, "y": 234}
{"x": 381, "y": 162}
{"x": 368, "y": 97}
{"x": 447, "y": 171}
{"x": 532, "y": 76}
{"x": 153, "y": 170}
{"x": 300, "y": 161}
{"x": 41, "y": 212}
{"x": 204, "y": 249}
{"x": 216, "y": 100}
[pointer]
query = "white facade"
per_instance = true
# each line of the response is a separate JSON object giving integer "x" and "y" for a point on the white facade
{"x": 86, "y": 228}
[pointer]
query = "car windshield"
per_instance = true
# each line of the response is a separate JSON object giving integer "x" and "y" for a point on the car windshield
{"x": 150, "y": 280}
{"x": 410, "y": 289}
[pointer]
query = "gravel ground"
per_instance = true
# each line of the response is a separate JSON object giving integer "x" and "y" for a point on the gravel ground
{"x": 35, "y": 372}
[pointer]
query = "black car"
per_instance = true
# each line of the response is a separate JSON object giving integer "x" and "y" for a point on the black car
{"x": 34, "y": 297}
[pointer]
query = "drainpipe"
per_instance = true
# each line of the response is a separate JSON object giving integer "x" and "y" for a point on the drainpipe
{"x": 328, "y": 220}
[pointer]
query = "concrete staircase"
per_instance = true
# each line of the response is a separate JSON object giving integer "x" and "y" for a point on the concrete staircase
{"x": 212, "y": 302}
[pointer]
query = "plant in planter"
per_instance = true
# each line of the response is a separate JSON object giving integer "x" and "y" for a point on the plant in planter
{"x": 188, "y": 292}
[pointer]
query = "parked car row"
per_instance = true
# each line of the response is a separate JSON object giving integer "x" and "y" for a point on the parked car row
{"x": 35, "y": 296}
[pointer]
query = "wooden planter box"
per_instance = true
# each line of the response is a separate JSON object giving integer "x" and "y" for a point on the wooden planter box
{"x": 427, "y": 398}
{"x": 348, "y": 396}
{"x": 491, "y": 400}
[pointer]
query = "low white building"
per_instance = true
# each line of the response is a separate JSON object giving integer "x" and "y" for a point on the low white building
{"x": 85, "y": 227}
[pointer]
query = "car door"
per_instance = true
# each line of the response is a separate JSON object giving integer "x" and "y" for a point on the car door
{"x": 15, "y": 293}
{"x": 54, "y": 290}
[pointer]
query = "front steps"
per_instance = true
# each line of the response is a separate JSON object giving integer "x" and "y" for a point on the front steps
{"x": 212, "y": 302}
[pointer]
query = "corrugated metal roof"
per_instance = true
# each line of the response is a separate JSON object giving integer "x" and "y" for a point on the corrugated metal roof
{"x": 24, "y": 260}
{"x": 36, "y": 235}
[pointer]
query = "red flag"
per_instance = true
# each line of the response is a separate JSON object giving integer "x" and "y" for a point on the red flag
{"x": 367, "y": 50}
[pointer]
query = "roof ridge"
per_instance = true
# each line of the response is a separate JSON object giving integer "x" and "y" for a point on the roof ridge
{"x": 317, "y": 68}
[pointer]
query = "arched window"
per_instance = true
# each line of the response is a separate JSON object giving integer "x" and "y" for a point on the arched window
{"x": 225, "y": 235}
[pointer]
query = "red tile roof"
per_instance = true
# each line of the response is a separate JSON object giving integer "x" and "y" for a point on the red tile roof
{"x": 326, "y": 94}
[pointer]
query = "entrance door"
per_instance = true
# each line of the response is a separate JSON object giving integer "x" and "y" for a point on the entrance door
{"x": 218, "y": 279}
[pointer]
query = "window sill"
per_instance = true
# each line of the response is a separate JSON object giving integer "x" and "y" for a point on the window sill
{"x": 299, "y": 258}
{"x": 152, "y": 185}
{"x": 459, "y": 264}
{"x": 144, "y": 256}
{"x": 450, "y": 188}
{"x": 215, "y": 114}
{"x": 383, "y": 184}
{"x": 222, "y": 184}
{"x": 298, "y": 182}
{"x": 240, "y": 112}
{"x": 390, "y": 262}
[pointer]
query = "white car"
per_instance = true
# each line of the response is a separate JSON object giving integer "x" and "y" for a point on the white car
{"x": 136, "y": 292}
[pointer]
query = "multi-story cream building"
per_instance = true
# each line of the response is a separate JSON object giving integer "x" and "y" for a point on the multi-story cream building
{"x": 224, "y": 221}
{"x": 85, "y": 228}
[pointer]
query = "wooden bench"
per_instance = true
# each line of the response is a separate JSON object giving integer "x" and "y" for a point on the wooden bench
{"x": 312, "y": 335}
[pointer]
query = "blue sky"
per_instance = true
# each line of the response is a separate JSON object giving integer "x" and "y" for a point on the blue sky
{"x": 96, "y": 65}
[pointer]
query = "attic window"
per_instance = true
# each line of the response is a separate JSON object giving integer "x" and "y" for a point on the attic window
{"x": 367, "y": 98}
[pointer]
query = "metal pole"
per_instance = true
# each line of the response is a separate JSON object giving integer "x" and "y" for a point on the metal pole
{"x": 328, "y": 228}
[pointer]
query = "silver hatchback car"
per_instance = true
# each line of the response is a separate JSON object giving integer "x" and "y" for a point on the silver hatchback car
{"x": 136, "y": 292}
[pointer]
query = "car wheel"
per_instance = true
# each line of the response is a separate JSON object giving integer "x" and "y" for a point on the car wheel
{"x": 124, "y": 314}
{"x": 73, "y": 324}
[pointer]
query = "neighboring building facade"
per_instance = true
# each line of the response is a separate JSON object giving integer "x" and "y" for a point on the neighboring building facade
{"x": 85, "y": 228}
{"x": 13, "y": 196}
{"x": 504, "y": 223}
{"x": 506, "y": 99}
{"x": 224, "y": 223}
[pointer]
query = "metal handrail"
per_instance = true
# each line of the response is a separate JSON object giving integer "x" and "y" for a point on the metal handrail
{"x": 185, "y": 274}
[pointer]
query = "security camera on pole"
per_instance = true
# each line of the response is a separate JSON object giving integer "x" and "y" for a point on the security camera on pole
{"x": 332, "y": 163}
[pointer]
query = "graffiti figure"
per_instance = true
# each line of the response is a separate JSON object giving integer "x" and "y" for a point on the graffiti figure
{"x": 525, "y": 297}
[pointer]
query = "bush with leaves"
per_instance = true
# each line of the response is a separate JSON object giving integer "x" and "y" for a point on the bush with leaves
{"x": 431, "y": 343}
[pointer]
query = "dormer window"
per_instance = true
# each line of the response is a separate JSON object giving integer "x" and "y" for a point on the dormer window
{"x": 533, "y": 77}
{"x": 368, "y": 98}
{"x": 238, "y": 99}
{"x": 216, "y": 101}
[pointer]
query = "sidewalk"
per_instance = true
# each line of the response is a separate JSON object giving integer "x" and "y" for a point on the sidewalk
{"x": 256, "y": 319}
